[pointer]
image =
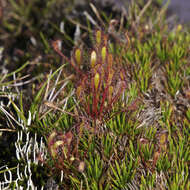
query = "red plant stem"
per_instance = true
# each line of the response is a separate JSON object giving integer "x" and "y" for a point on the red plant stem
{"x": 95, "y": 101}
{"x": 88, "y": 108}
{"x": 114, "y": 99}
{"x": 94, "y": 105}
{"x": 103, "y": 98}
{"x": 95, "y": 96}
{"x": 105, "y": 91}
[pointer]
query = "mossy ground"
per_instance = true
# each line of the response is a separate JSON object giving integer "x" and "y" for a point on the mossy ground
{"x": 114, "y": 113}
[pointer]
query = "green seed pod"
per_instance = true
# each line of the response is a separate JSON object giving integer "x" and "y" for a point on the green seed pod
{"x": 78, "y": 56}
{"x": 98, "y": 37}
{"x": 93, "y": 58}
{"x": 96, "y": 80}
{"x": 103, "y": 54}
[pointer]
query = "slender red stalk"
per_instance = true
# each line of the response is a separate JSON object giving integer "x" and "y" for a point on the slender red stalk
{"x": 114, "y": 99}
{"x": 105, "y": 91}
{"x": 103, "y": 98}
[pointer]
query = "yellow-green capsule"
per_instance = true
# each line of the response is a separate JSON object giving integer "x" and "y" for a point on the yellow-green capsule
{"x": 93, "y": 59}
{"x": 98, "y": 37}
{"x": 96, "y": 80}
{"x": 78, "y": 56}
{"x": 179, "y": 27}
{"x": 103, "y": 54}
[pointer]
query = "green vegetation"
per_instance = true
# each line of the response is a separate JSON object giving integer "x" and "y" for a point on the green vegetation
{"x": 115, "y": 114}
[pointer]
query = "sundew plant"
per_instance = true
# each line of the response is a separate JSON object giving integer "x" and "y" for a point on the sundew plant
{"x": 114, "y": 113}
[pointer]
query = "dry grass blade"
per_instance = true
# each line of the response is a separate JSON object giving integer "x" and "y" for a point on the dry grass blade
{"x": 97, "y": 14}
{"x": 143, "y": 11}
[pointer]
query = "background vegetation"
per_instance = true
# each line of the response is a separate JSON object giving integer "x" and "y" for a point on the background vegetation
{"x": 98, "y": 104}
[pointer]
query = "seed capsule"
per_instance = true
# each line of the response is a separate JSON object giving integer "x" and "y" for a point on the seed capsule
{"x": 103, "y": 54}
{"x": 93, "y": 59}
{"x": 98, "y": 37}
{"x": 78, "y": 56}
{"x": 96, "y": 80}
